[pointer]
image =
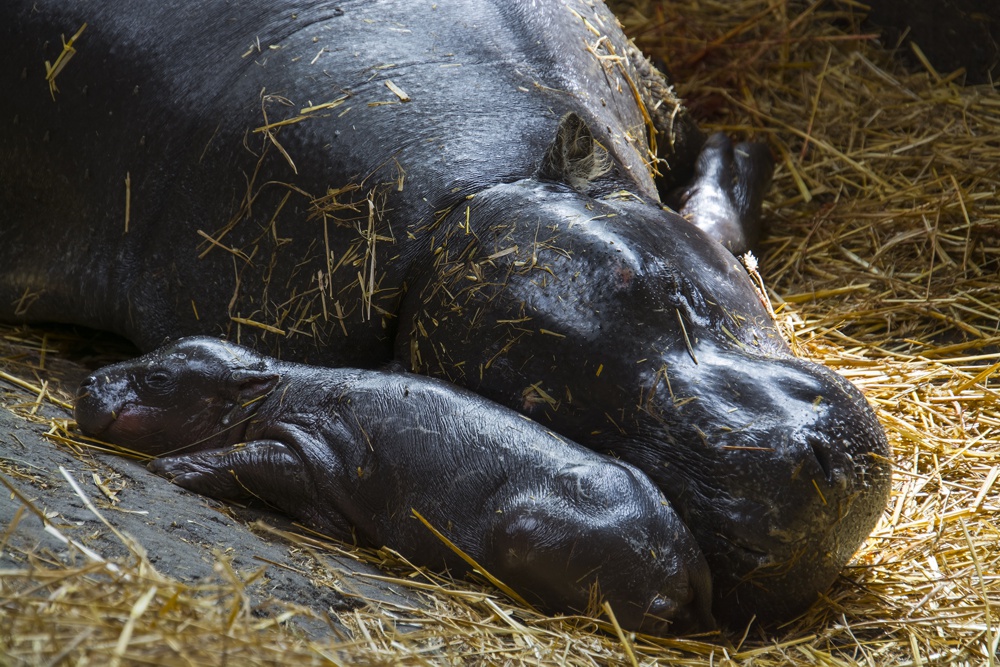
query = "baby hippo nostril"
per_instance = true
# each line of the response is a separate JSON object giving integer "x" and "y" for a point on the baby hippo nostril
{"x": 88, "y": 383}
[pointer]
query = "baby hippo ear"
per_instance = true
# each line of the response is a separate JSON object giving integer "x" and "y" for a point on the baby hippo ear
{"x": 251, "y": 384}
{"x": 575, "y": 157}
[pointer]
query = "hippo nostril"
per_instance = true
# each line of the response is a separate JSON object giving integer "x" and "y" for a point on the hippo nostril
{"x": 86, "y": 386}
{"x": 822, "y": 454}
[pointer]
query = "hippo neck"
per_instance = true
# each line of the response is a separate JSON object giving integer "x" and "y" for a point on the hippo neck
{"x": 304, "y": 397}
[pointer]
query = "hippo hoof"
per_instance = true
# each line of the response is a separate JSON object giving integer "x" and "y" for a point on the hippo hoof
{"x": 187, "y": 473}
{"x": 725, "y": 197}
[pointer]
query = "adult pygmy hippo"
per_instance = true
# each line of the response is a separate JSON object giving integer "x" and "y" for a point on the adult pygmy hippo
{"x": 464, "y": 186}
{"x": 353, "y": 452}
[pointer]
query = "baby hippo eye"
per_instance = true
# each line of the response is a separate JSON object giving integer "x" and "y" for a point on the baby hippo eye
{"x": 158, "y": 379}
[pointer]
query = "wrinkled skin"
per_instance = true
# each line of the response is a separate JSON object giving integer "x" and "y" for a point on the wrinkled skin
{"x": 351, "y": 452}
{"x": 501, "y": 229}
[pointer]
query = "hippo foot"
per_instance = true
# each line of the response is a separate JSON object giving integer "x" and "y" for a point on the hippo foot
{"x": 200, "y": 474}
{"x": 263, "y": 470}
{"x": 724, "y": 198}
{"x": 244, "y": 473}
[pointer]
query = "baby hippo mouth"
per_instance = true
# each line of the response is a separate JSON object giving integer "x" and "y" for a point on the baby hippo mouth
{"x": 107, "y": 409}
{"x": 95, "y": 411}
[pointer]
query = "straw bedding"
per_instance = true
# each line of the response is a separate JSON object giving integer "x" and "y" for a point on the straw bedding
{"x": 882, "y": 263}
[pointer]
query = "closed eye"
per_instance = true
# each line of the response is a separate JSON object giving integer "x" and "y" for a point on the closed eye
{"x": 158, "y": 379}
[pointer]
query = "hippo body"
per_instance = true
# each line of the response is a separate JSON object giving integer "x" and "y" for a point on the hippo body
{"x": 464, "y": 188}
{"x": 174, "y": 100}
{"x": 354, "y": 452}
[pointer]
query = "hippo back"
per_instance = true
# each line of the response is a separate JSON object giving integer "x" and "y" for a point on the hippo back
{"x": 297, "y": 159}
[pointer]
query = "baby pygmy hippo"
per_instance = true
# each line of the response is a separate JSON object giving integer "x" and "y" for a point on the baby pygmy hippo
{"x": 353, "y": 452}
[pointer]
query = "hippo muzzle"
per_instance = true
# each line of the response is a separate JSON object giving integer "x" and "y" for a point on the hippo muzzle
{"x": 100, "y": 403}
{"x": 784, "y": 472}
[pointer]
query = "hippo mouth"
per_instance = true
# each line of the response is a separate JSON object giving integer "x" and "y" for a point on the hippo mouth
{"x": 94, "y": 419}
{"x": 98, "y": 414}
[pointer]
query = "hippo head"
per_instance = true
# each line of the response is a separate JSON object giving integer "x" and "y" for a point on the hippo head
{"x": 194, "y": 394}
{"x": 623, "y": 326}
{"x": 777, "y": 464}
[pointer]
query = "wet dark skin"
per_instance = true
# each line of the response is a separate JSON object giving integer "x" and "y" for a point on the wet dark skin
{"x": 352, "y": 453}
{"x": 776, "y": 464}
{"x": 501, "y": 229}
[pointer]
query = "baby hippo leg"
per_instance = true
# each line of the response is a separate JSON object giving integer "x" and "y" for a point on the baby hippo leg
{"x": 724, "y": 198}
{"x": 264, "y": 470}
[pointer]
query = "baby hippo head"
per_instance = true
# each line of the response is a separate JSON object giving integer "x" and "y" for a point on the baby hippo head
{"x": 196, "y": 393}
{"x": 604, "y": 533}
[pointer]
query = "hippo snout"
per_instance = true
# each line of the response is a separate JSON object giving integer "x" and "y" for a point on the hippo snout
{"x": 783, "y": 473}
{"x": 95, "y": 410}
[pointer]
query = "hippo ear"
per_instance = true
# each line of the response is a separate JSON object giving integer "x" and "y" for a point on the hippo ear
{"x": 575, "y": 157}
{"x": 251, "y": 385}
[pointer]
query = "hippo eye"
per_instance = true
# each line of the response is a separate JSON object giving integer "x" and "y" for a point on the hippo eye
{"x": 158, "y": 379}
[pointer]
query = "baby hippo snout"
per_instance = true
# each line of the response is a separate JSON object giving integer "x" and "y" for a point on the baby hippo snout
{"x": 98, "y": 404}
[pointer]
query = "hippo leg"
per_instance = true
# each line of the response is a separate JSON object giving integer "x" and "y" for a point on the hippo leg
{"x": 725, "y": 196}
{"x": 720, "y": 188}
{"x": 264, "y": 470}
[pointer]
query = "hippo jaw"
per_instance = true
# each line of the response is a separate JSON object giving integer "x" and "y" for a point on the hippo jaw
{"x": 196, "y": 394}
